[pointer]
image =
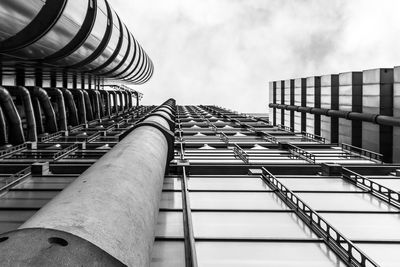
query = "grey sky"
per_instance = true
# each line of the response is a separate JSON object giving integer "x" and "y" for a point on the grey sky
{"x": 224, "y": 52}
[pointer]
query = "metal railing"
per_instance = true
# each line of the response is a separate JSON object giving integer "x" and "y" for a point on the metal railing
{"x": 371, "y": 155}
{"x": 224, "y": 138}
{"x": 13, "y": 179}
{"x": 62, "y": 153}
{"x": 12, "y": 150}
{"x": 301, "y": 153}
{"x": 313, "y": 137}
{"x": 240, "y": 153}
{"x": 50, "y": 137}
{"x": 269, "y": 137}
{"x": 342, "y": 246}
{"x": 285, "y": 128}
{"x": 376, "y": 189}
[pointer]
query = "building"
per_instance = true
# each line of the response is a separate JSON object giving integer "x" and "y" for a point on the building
{"x": 88, "y": 176}
{"x": 354, "y": 108}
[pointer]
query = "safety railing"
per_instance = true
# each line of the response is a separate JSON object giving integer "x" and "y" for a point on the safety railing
{"x": 301, "y": 153}
{"x": 8, "y": 182}
{"x": 371, "y": 155}
{"x": 342, "y": 246}
{"x": 50, "y": 137}
{"x": 376, "y": 189}
{"x": 285, "y": 128}
{"x": 313, "y": 137}
{"x": 62, "y": 153}
{"x": 269, "y": 137}
{"x": 93, "y": 137}
{"x": 240, "y": 153}
{"x": 224, "y": 138}
{"x": 12, "y": 150}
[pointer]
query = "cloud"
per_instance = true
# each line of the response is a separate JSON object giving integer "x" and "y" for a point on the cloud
{"x": 225, "y": 52}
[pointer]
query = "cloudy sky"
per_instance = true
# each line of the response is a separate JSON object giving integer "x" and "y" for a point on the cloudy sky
{"x": 224, "y": 52}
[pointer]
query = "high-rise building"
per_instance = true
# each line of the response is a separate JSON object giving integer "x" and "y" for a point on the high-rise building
{"x": 89, "y": 177}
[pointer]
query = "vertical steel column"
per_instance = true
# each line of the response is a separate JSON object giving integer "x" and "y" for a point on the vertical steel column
{"x": 108, "y": 215}
{"x": 329, "y": 100}
{"x": 396, "y": 113}
{"x": 272, "y": 99}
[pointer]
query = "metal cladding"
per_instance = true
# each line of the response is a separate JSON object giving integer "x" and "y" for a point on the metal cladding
{"x": 356, "y": 108}
{"x": 111, "y": 209}
{"x": 86, "y": 36}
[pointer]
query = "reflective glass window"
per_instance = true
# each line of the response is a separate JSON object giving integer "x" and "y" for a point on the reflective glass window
{"x": 171, "y": 200}
{"x": 168, "y": 254}
{"x": 227, "y": 184}
{"x": 169, "y": 224}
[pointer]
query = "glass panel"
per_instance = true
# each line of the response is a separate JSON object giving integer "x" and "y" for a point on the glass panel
{"x": 249, "y": 225}
{"x": 168, "y": 254}
{"x": 386, "y": 255}
{"x": 227, "y": 184}
{"x": 265, "y": 254}
{"x": 172, "y": 183}
{"x": 169, "y": 224}
{"x": 328, "y": 184}
{"x": 171, "y": 200}
{"x": 228, "y": 200}
{"x": 366, "y": 226}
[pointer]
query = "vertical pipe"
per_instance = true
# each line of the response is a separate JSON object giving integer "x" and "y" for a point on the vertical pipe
{"x": 113, "y": 206}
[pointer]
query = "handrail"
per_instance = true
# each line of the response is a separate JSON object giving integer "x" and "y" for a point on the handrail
{"x": 301, "y": 153}
{"x": 65, "y": 151}
{"x": 93, "y": 137}
{"x": 382, "y": 192}
{"x": 12, "y": 150}
{"x": 285, "y": 128}
{"x": 14, "y": 179}
{"x": 224, "y": 138}
{"x": 313, "y": 137}
{"x": 342, "y": 246}
{"x": 50, "y": 136}
{"x": 269, "y": 137}
{"x": 240, "y": 153}
{"x": 371, "y": 155}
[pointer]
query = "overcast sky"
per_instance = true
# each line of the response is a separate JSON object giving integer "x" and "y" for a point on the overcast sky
{"x": 225, "y": 52}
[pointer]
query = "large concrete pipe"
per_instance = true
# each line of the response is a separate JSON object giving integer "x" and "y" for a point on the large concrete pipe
{"x": 71, "y": 107}
{"x": 88, "y": 106}
{"x": 58, "y": 97}
{"x": 28, "y": 110}
{"x": 15, "y": 130}
{"x": 3, "y": 129}
{"x": 80, "y": 104}
{"x": 42, "y": 96}
{"x": 109, "y": 212}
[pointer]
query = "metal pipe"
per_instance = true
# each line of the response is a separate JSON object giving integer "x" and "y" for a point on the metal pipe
{"x": 28, "y": 109}
{"x": 80, "y": 104}
{"x": 38, "y": 115}
{"x": 113, "y": 206}
{"x": 95, "y": 103}
{"x": 114, "y": 108}
{"x": 120, "y": 98}
{"x": 72, "y": 110}
{"x": 88, "y": 106}
{"x": 357, "y": 116}
{"x": 107, "y": 102}
{"x": 3, "y": 129}
{"x": 44, "y": 100}
{"x": 15, "y": 130}
{"x": 57, "y": 95}
{"x": 130, "y": 105}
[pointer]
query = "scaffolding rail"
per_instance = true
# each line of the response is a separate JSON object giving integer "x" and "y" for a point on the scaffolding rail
{"x": 365, "y": 153}
{"x": 313, "y": 137}
{"x": 342, "y": 246}
{"x": 301, "y": 153}
{"x": 376, "y": 189}
{"x": 8, "y": 182}
{"x": 12, "y": 150}
{"x": 240, "y": 153}
{"x": 62, "y": 153}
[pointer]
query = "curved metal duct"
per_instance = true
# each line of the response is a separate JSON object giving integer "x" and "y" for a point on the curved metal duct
{"x": 3, "y": 129}
{"x": 80, "y": 104}
{"x": 38, "y": 115}
{"x": 44, "y": 100}
{"x": 88, "y": 106}
{"x": 59, "y": 99}
{"x": 28, "y": 108}
{"x": 95, "y": 103}
{"x": 114, "y": 107}
{"x": 85, "y": 35}
{"x": 107, "y": 102}
{"x": 15, "y": 130}
{"x": 71, "y": 107}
